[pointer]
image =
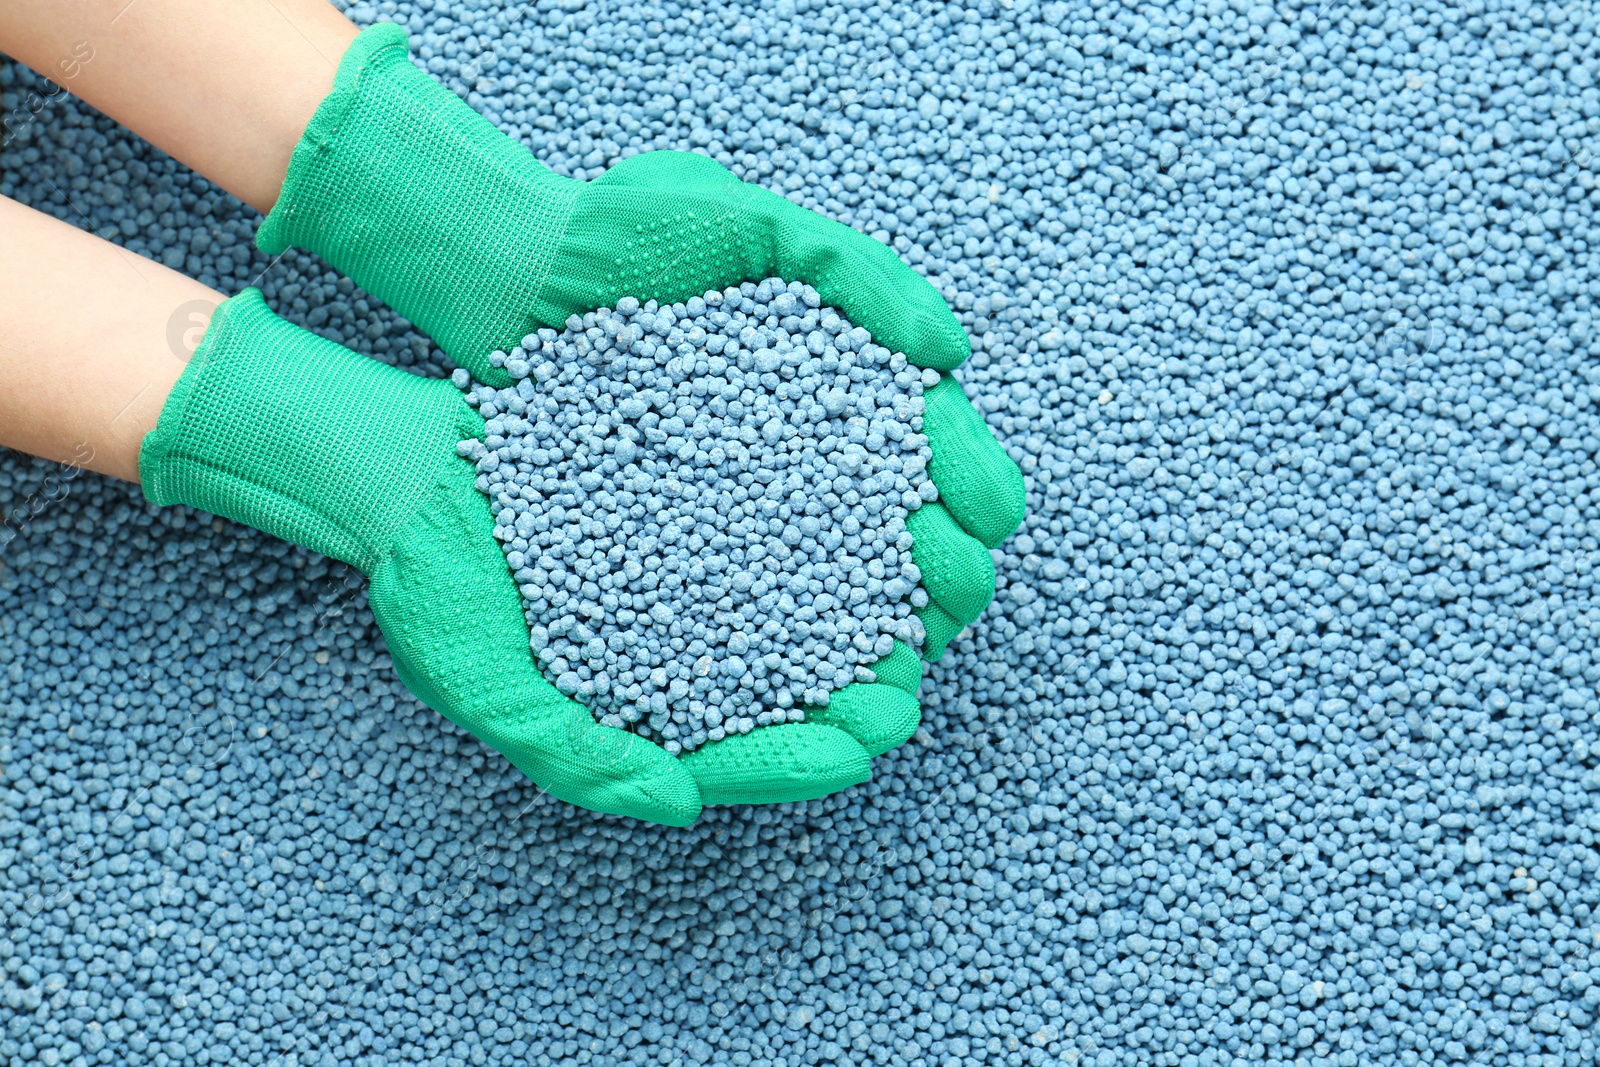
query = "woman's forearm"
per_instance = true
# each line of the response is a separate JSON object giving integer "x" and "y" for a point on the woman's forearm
{"x": 226, "y": 88}
{"x": 92, "y": 338}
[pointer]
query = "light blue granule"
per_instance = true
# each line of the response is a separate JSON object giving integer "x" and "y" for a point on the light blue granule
{"x": 704, "y": 506}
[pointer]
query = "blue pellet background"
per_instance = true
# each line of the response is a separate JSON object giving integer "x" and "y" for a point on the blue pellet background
{"x": 1280, "y": 741}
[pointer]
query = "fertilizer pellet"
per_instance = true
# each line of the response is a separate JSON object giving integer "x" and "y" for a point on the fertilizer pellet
{"x": 704, "y": 506}
{"x": 1279, "y": 743}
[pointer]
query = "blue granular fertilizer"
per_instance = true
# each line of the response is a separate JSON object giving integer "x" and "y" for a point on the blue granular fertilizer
{"x": 705, "y": 504}
{"x": 1279, "y": 743}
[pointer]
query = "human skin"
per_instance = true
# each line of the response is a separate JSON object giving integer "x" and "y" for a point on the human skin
{"x": 92, "y": 338}
{"x": 227, "y": 89}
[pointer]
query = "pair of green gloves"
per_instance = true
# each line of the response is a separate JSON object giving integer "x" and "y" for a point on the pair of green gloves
{"x": 423, "y": 203}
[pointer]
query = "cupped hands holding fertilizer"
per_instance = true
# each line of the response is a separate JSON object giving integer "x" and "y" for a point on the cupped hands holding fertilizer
{"x": 706, "y": 507}
{"x": 426, "y": 205}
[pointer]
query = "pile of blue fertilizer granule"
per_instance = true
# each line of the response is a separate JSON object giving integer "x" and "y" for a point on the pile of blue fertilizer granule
{"x": 1279, "y": 744}
{"x": 704, "y": 506}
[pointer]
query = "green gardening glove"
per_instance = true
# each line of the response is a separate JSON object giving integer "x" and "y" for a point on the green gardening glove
{"x": 427, "y": 206}
{"x": 308, "y": 441}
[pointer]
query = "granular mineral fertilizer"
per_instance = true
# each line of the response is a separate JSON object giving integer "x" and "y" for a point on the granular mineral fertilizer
{"x": 704, "y": 506}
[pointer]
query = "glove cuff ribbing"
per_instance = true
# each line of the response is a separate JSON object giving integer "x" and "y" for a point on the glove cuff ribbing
{"x": 292, "y": 434}
{"x": 422, "y": 202}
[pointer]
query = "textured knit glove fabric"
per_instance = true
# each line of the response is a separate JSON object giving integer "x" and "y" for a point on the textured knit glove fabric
{"x": 981, "y": 501}
{"x": 297, "y": 436}
{"x": 426, "y": 205}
